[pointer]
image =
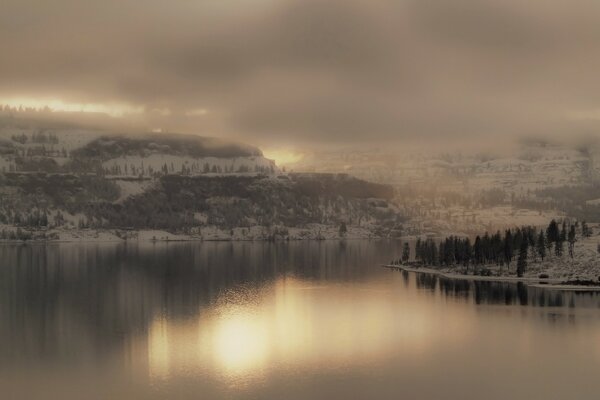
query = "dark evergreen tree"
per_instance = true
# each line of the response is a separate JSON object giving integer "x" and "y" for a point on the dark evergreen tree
{"x": 508, "y": 247}
{"x": 541, "y": 245}
{"x": 572, "y": 239}
{"x": 559, "y": 248}
{"x": 563, "y": 233}
{"x": 467, "y": 253}
{"x": 522, "y": 261}
{"x": 418, "y": 250}
{"x": 552, "y": 232}
{"x": 343, "y": 229}
{"x": 405, "y": 253}
{"x": 477, "y": 251}
{"x": 585, "y": 230}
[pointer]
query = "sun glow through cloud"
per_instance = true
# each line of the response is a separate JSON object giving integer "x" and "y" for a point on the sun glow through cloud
{"x": 283, "y": 156}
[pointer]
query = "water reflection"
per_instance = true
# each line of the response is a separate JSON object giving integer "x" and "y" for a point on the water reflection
{"x": 289, "y": 320}
{"x": 507, "y": 293}
{"x": 56, "y": 298}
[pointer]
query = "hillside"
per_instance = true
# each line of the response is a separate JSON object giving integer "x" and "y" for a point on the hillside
{"x": 203, "y": 207}
{"x": 453, "y": 191}
{"x": 28, "y": 146}
{"x": 66, "y": 183}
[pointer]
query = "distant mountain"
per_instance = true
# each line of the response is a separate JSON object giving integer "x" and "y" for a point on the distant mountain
{"x": 531, "y": 166}
{"x": 25, "y": 146}
{"x": 145, "y": 144}
{"x": 69, "y": 183}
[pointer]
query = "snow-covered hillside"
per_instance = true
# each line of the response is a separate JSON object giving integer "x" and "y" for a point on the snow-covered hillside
{"x": 172, "y": 164}
{"x": 532, "y": 166}
{"x": 61, "y": 182}
{"x": 25, "y": 147}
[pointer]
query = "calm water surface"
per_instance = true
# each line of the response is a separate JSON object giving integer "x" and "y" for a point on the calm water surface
{"x": 305, "y": 320}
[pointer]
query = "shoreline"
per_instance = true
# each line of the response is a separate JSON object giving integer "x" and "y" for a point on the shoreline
{"x": 317, "y": 232}
{"x": 545, "y": 283}
{"x": 196, "y": 240}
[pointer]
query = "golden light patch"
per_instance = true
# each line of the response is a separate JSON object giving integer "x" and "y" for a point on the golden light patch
{"x": 283, "y": 156}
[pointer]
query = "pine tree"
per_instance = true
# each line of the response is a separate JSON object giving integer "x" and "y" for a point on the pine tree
{"x": 343, "y": 229}
{"x": 559, "y": 248}
{"x": 522, "y": 261}
{"x": 418, "y": 250}
{"x": 585, "y": 230}
{"x": 552, "y": 232}
{"x": 405, "y": 253}
{"x": 442, "y": 254}
{"x": 467, "y": 253}
{"x": 477, "y": 251}
{"x": 541, "y": 245}
{"x": 572, "y": 239}
{"x": 508, "y": 247}
{"x": 44, "y": 219}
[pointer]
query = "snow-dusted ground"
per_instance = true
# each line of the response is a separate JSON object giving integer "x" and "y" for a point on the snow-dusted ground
{"x": 131, "y": 188}
{"x": 6, "y": 164}
{"x": 136, "y": 165}
{"x": 525, "y": 168}
{"x": 86, "y": 235}
{"x": 584, "y": 266}
{"x": 465, "y": 221}
{"x": 69, "y": 139}
{"x": 66, "y": 140}
{"x": 208, "y": 233}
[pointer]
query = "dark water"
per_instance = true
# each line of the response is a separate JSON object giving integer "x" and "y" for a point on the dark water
{"x": 306, "y": 320}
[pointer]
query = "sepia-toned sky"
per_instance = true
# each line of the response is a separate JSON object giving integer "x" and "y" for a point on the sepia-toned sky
{"x": 313, "y": 71}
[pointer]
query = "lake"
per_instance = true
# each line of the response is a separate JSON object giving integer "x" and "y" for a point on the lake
{"x": 296, "y": 320}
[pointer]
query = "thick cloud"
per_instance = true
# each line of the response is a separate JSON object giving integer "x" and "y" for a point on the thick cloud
{"x": 315, "y": 70}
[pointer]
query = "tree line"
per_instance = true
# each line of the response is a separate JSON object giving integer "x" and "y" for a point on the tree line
{"x": 518, "y": 245}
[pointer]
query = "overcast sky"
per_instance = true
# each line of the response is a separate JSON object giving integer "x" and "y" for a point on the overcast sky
{"x": 315, "y": 71}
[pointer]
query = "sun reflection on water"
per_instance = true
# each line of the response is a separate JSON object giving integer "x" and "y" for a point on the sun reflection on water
{"x": 295, "y": 326}
{"x": 240, "y": 342}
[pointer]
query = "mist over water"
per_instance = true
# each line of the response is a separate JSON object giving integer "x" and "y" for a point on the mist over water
{"x": 279, "y": 320}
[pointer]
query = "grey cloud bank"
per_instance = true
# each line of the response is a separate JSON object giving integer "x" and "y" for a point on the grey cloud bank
{"x": 309, "y": 71}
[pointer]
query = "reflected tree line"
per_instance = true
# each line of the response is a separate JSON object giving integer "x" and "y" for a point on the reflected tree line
{"x": 502, "y": 293}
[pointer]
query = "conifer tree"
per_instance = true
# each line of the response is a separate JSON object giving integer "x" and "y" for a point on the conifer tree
{"x": 572, "y": 239}
{"x": 552, "y": 232}
{"x": 541, "y": 245}
{"x": 477, "y": 251}
{"x": 585, "y": 229}
{"x": 343, "y": 229}
{"x": 563, "y": 232}
{"x": 467, "y": 252}
{"x": 405, "y": 253}
{"x": 558, "y": 248}
{"x": 522, "y": 261}
{"x": 508, "y": 247}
